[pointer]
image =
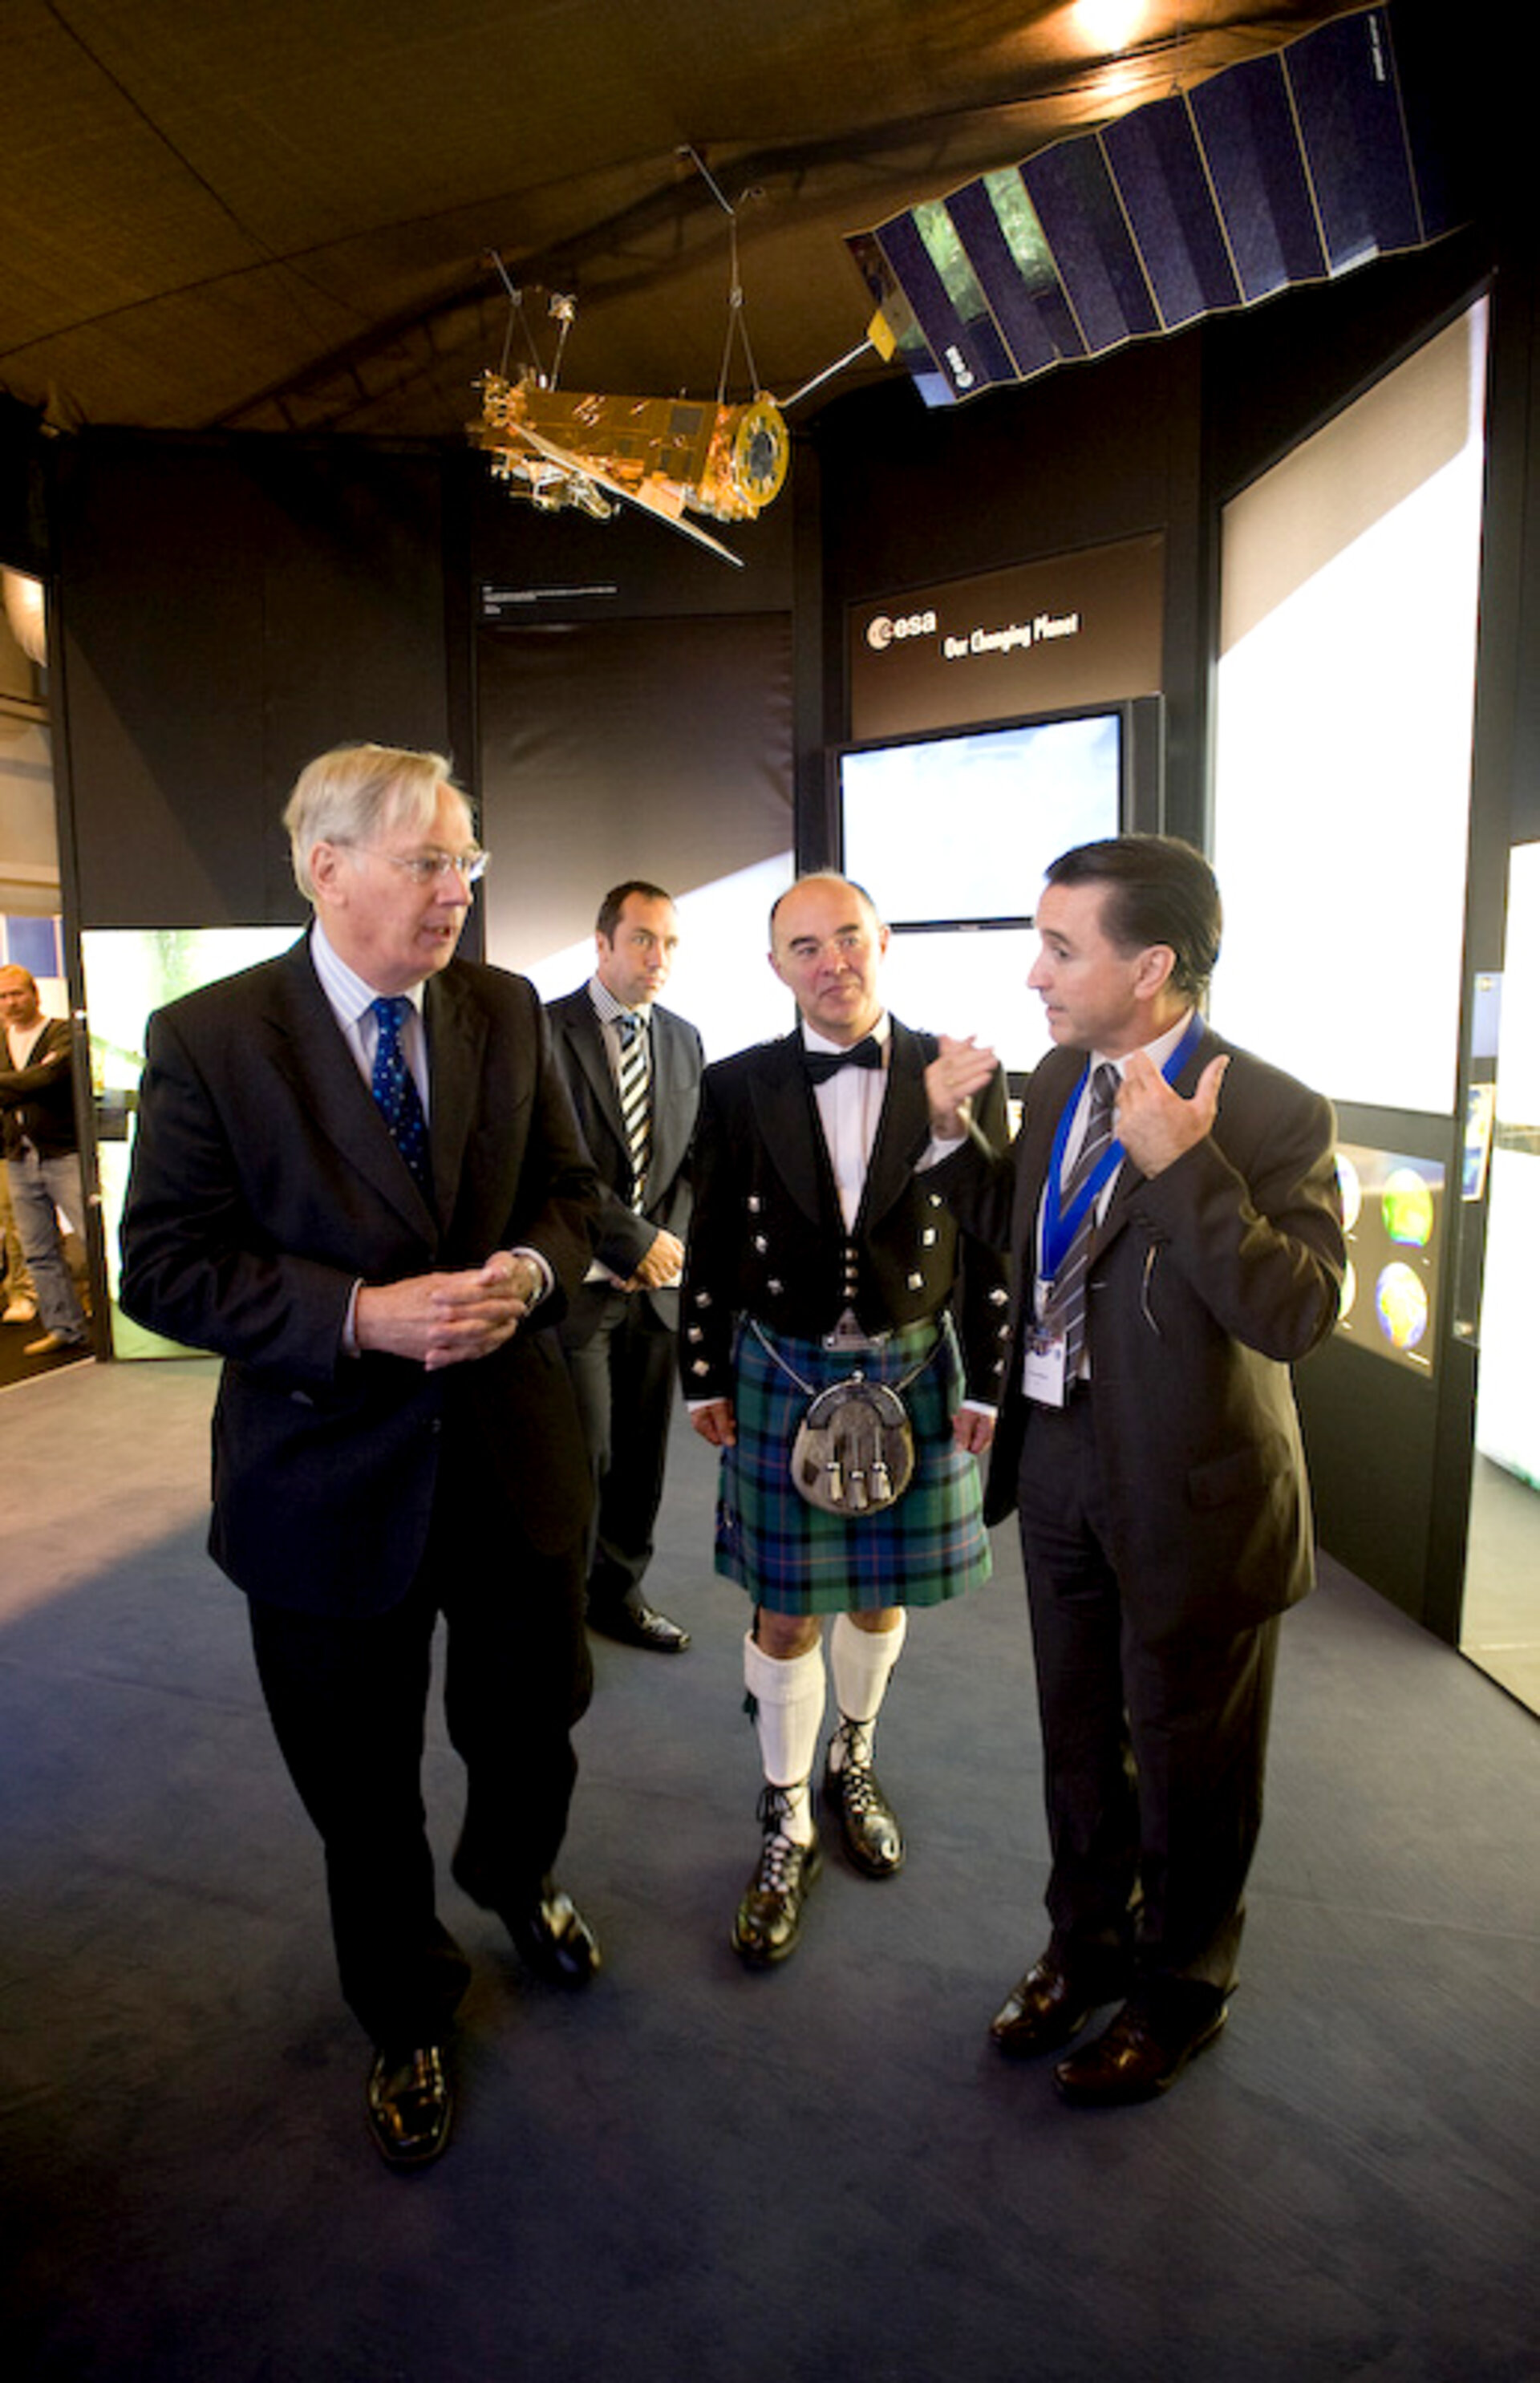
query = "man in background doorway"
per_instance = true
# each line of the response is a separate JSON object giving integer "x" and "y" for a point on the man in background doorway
{"x": 20, "y": 1299}
{"x": 42, "y": 1160}
{"x": 634, "y": 1071}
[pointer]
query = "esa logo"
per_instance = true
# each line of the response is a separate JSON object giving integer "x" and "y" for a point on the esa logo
{"x": 884, "y": 632}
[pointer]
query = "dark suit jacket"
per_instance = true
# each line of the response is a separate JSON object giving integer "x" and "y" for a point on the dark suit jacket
{"x": 622, "y": 1238}
{"x": 1205, "y": 1283}
{"x": 264, "y": 1184}
{"x": 769, "y": 1238}
{"x": 39, "y": 1099}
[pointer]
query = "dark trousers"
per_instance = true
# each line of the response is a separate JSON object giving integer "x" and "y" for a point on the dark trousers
{"x": 348, "y": 1700}
{"x": 1153, "y": 1747}
{"x": 622, "y": 1373}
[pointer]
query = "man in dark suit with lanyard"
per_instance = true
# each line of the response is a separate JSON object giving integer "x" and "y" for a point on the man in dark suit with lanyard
{"x": 357, "y": 1177}
{"x": 634, "y": 1072}
{"x": 1172, "y": 1205}
{"x": 817, "y": 1257}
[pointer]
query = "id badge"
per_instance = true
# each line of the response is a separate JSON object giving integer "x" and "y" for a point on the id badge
{"x": 1042, "y": 1368}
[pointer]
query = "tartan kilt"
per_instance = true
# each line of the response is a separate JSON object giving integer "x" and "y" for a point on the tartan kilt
{"x": 793, "y": 1558}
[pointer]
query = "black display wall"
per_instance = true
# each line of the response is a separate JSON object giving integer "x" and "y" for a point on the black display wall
{"x": 23, "y": 503}
{"x": 656, "y": 749}
{"x": 229, "y": 609}
{"x": 1088, "y": 457}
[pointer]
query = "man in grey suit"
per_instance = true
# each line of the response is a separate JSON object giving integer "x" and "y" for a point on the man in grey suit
{"x": 634, "y": 1072}
{"x": 1171, "y": 1204}
{"x": 358, "y": 1179}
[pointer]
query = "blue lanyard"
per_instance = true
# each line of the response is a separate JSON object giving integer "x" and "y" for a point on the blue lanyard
{"x": 1060, "y": 1226}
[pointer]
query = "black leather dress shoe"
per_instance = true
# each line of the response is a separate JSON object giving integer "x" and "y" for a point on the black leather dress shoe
{"x": 410, "y": 2106}
{"x": 639, "y": 1625}
{"x": 555, "y": 1940}
{"x": 1140, "y": 2055}
{"x": 548, "y": 1928}
{"x": 769, "y": 1919}
{"x": 868, "y": 1825}
{"x": 1049, "y": 2007}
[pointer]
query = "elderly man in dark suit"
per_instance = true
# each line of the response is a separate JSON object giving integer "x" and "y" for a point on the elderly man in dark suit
{"x": 818, "y": 1263}
{"x": 357, "y": 1177}
{"x": 1172, "y": 1205}
{"x": 634, "y": 1071}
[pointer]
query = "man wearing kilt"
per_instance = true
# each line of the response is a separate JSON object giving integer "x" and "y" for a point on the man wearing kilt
{"x": 816, "y": 1256}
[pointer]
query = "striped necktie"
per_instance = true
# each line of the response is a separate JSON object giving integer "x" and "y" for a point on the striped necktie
{"x": 1069, "y": 1283}
{"x": 635, "y": 1090}
{"x": 395, "y": 1088}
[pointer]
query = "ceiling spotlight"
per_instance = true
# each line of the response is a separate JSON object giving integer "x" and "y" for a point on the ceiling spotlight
{"x": 1110, "y": 25}
{"x": 25, "y": 614}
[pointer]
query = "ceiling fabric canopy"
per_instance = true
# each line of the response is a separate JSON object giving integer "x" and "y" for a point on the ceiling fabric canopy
{"x": 282, "y": 216}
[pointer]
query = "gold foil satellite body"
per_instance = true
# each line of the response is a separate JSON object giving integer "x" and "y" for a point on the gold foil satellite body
{"x": 669, "y": 455}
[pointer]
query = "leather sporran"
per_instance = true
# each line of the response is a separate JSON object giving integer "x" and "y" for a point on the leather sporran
{"x": 854, "y": 1454}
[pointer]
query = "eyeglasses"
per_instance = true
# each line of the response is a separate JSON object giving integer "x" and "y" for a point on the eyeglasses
{"x": 427, "y": 869}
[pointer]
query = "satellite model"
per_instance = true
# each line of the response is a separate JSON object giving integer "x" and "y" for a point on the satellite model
{"x": 670, "y": 455}
{"x": 663, "y": 453}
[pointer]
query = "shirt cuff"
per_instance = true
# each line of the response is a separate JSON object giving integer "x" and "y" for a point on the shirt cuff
{"x": 542, "y": 1268}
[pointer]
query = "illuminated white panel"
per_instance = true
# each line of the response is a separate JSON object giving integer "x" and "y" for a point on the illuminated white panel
{"x": 1507, "y": 1411}
{"x": 129, "y": 972}
{"x": 1345, "y": 700}
{"x": 721, "y": 979}
{"x": 962, "y": 983}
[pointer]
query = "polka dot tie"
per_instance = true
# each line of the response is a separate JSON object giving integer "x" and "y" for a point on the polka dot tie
{"x": 396, "y": 1091}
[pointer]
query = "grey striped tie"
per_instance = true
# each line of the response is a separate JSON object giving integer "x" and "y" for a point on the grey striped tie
{"x": 636, "y": 1090}
{"x": 1069, "y": 1283}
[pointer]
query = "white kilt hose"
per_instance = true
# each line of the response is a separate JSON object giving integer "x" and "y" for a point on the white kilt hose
{"x": 795, "y": 1558}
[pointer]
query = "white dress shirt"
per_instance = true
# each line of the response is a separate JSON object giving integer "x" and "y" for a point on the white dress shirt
{"x": 850, "y": 1109}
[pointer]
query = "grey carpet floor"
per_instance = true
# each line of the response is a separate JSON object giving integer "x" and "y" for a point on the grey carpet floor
{"x": 690, "y": 2173}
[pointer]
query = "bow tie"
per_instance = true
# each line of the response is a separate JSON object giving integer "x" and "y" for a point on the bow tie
{"x": 821, "y": 1065}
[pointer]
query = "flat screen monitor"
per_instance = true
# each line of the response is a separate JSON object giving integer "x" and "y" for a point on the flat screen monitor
{"x": 1345, "y": 696}
{"x": 958, "y": 827}
{"x": 952, "y": 834}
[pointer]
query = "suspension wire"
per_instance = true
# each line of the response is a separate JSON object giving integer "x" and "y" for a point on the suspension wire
{"x": 516, "y": 316}
{"x": 737, "y": 323}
